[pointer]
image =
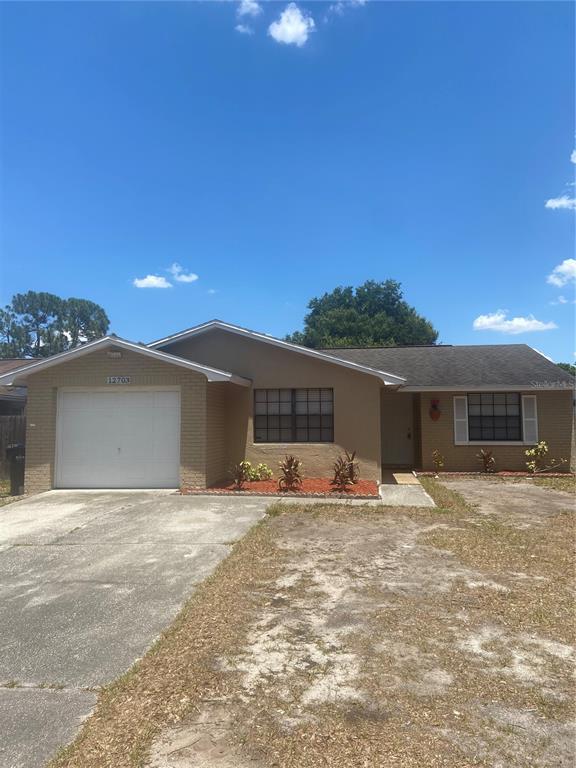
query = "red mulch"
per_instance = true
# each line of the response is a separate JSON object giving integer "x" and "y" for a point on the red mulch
{"x": 311, "y": 486}
{"x": 504, "y": 473}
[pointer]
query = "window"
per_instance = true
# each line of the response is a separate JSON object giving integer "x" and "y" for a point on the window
{"x": 494, "y": 416}
{"x": 293, "y": 415}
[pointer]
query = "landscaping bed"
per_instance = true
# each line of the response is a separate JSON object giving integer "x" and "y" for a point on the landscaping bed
{"x": 311, "y": 487}
{"x": 503, "y": 473}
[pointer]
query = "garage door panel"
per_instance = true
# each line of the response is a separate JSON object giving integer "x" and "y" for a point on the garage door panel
{"x": 122, "y": 439}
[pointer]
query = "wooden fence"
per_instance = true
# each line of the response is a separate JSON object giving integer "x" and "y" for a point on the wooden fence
{"x": 12, "y": 430}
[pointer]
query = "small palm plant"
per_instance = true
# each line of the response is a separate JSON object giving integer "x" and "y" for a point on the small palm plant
{"x": 342, "y": 478}
{"x": 486, "y": 458}
{"x": 353, "y": 466}
{"x": 290, "y": 474}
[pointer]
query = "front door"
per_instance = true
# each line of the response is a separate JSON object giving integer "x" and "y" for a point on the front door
{"x": 397, "y": 425}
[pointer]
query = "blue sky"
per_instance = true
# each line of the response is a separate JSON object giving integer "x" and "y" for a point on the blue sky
{"x": 277, "y": 151}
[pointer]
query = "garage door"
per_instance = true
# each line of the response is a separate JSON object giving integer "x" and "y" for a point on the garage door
{"x": 118, "y": 439}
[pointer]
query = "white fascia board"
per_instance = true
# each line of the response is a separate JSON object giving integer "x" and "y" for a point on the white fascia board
{"x": 560, "y": 387}
{"x": 212, "y": 374}
{"x": 389, "y": 379}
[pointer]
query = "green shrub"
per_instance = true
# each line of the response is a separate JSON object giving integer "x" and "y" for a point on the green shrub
{"x": 240, "y": 473}
{"x": 437, "y": 460}
{"x": 244, "y": 472}
{"x": 263, "y": 472}
{"x": 537, "y": 459}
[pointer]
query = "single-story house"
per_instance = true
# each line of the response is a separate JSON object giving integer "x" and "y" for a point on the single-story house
{"x": 181, "y": 410}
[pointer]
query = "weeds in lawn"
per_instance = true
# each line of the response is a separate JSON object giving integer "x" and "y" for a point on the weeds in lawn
{"x": 566, "y": 484}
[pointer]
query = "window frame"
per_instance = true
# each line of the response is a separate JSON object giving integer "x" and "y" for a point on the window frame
{"x": 528, "y": 419}
{"x": 479, "y": 418}
{"x": 295, "y": 418}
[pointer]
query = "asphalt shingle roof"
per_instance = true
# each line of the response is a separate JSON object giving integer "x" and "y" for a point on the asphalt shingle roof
{"x": 454, "y": 366}
{"x": 11, "y": 363}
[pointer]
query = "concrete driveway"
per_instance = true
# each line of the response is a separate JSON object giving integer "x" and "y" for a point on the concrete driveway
{"x": 87, "y": 582}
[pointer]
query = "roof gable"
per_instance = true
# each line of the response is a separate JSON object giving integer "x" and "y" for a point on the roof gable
{"x": 389, "y": 379}
{"x": 212, "y": 374}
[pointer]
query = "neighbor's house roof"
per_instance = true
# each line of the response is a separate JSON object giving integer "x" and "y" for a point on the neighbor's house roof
{"x": 11, "y": 363}
{"x": 14, "y": 394}
{"x": 389, "y": 379}
{"x": 19, "y": 375}
{"x": 489, "y": 366}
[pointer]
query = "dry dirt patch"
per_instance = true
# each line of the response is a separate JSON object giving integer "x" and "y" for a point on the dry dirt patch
{"x": 351, "y": 637}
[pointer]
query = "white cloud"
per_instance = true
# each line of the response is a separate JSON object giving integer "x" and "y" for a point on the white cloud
{"x": 178, "y": 274}
{"x": 293, "y": 27}
{"x": 573, "y": 156}
{"x": 249, "y": 8}
{"x": 498, "y": 321}
{"x": 151, "y": 281}
{"x": 559, "y": 203}
{"x": 563, "y": 274}
{"x": 342, "y": 5}
{"x": 211, "y": 291}
{"x": 559, "y": 300}
{"x": 244, "y": 29}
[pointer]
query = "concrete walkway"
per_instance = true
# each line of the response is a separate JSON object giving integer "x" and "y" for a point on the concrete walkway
{"x": 88, "y": 580}
{"x": 403, "y": 489}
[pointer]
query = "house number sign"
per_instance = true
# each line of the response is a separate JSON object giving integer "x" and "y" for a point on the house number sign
{"x": 118, "y": 380}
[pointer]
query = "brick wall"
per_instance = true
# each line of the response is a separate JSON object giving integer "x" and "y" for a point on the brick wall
{"x": 555, "y": 426}
{"x": 217, "y": 462}
{"x": 91, "y": 370}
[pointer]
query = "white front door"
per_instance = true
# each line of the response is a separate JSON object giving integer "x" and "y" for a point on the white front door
{"x": 397, "y": 425}
{"x": 118, "y": 439}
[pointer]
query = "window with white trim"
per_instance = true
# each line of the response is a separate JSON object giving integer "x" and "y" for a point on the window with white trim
{"x": 494, "y": 417}
{"x": 294, "y": 415}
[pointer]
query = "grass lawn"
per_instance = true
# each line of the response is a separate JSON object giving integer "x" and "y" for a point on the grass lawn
{"x": 347, "y": 637}
{"x": 567, "y": 484}
{"x": 5, "y": 497}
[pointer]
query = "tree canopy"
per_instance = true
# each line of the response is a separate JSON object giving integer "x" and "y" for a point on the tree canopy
{"x": 569, "y": 367}
{"x": 374, "y": 314}
{"x": 39, "y": 324}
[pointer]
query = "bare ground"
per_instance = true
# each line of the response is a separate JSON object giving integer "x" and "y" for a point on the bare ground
{"x": 352, "y": 637}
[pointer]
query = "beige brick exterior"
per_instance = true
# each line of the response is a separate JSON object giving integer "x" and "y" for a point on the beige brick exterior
{"x": 555, "y": 426}
{"x": 91, "y": 370}
{"x": 217, "y": 416}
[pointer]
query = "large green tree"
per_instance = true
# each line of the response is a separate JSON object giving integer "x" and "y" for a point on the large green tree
{"x": 40, "y": 324}
{"x": 374, "y": 314}
{"x": 569, "y": 367}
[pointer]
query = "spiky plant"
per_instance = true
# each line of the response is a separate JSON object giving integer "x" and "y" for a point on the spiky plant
{"x": 290, "y": 474}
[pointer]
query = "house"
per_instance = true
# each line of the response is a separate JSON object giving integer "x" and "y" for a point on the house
{"x": 12, "y": 399}
{"x": 181, "y": 410}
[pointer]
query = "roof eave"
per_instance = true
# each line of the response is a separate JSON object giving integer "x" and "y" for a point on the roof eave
{"x": 534, "y": 386}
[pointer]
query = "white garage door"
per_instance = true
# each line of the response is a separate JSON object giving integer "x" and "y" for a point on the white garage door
{"x": 118, "y": 439}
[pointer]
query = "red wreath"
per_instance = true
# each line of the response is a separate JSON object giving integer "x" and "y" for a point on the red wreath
{"x": 435, "y": 411}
